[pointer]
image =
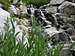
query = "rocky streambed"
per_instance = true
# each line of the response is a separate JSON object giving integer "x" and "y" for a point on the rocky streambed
{"x": 57, "y": 19}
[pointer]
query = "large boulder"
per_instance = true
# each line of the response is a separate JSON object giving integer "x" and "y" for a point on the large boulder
{"x": 3, "y": 17}
{"x": 67, "y": 8}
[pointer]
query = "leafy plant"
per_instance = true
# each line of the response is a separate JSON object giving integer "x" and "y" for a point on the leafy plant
{"x": 37, "y": 40}
{"x": 5, "y": 3}
{"x": 55, "y": 51}
{"x": 36, "y": 3}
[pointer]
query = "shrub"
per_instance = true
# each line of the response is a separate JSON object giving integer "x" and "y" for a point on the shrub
{"x": 5, "y": 3}
{"x": 36, "y": 3}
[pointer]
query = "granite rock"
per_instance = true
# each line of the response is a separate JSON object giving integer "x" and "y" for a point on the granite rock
{"x": 56, "y": 2}
{"x": 67, "y": 8}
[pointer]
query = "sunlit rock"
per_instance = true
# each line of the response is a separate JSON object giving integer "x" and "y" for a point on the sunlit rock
{"x": 23, "y": 9}
{"x": 19, "y": 11}
{"x": 56, "y": 1}
{"x": 51, "y": 31}
{"x": 13, "y": 9}
{"x": 15, "y": 1}
{"x": 51, "y": 9}
{"x": 3, "y": 17}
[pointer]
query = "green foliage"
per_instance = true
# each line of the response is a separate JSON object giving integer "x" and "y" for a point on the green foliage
{"x": 37, "y": 42}
{"x": 37, "y": 3}
{"x": 5, "y": 3}
{"x": 55, "y": 51}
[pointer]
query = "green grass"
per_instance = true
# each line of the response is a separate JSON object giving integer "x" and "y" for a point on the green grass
{"x": 36, "y": 3}
{"x": 5, "y": 3}
{"x": 56, "y": 50}
{"x": 37, "y": 42}
{"x": 36, "y": 46}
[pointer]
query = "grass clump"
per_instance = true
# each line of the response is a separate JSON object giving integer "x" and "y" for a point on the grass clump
{"x": 37, "y": 42}
{"x": 6, "y": 4}
{"x": 56, "y": 50}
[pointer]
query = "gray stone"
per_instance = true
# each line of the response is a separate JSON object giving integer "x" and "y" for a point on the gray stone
{"x": 56, "y": 1}
{"x": 51, "y": 9}
{"x": 15, "y": 1}
{"x": 72, "y": 16}
{"x": 3, "y": 17}
{"x": 51, "y": 31}
{"x": 67, "y": 8}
